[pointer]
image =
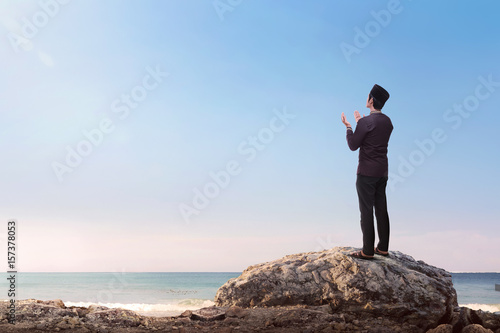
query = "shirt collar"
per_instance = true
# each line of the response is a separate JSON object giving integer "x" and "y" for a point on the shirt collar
{"x": 376, "y": 111}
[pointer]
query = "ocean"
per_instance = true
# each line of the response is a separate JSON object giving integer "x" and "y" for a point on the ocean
{"x": 152, "y": 294}
{"x": 477, "y": 290}
{"x": 168, "y": 294}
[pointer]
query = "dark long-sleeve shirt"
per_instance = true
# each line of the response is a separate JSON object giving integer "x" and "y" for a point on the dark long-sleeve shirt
{"x": 372, "y": 137}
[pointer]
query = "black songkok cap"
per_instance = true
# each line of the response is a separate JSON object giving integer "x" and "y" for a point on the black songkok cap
{"x": 380, "y": 94}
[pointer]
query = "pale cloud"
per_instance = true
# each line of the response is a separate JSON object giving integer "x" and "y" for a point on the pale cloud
{"x": 103, "y": 248}
{"x": 455, "y": 251}
{"x": 80, "y": 248}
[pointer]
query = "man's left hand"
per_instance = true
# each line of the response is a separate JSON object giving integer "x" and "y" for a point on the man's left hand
{"x": 357, "y": 116}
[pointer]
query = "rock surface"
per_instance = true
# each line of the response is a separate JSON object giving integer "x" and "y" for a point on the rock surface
{"x": 324, "y": 292}
{"x": 290, "y": 319}
{"x": 398, "y": 286}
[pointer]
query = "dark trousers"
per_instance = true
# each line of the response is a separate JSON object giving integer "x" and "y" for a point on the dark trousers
{"x": 371, "y": 194}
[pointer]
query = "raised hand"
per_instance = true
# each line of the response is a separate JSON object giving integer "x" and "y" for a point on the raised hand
{"x": 357, "y": 116}
{"x": 344, "y": 120}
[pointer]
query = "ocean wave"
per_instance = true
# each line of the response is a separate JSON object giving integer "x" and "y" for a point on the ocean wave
{"x": 153, "y": 310}
{"x": 484, "y": 307}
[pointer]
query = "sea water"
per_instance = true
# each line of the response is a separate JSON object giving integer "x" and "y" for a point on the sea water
{"x": 153, "y": 294}
{"x": 477, "y": 290}
{"x": 169, "y": 294}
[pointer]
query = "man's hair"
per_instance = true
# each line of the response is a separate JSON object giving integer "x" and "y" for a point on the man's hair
{"x": 376, "y": 104}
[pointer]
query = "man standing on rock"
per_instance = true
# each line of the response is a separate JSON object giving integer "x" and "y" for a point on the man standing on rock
{"x": 372, "y": 138}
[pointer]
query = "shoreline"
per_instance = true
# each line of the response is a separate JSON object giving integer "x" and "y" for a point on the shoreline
{"x": 53, "y": 316}
{"x": 326, "y": 291}
{"x": 491, "y": 308}
{"x": 149, "y": 309}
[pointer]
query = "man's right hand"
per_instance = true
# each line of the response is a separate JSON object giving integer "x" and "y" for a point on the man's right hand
{"x": 344, "y": 120}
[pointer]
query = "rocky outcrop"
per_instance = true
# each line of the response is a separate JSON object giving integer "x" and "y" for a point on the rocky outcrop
{"x": 325, "y": 291}
{"x": 467, "y": 320}
{"x": 41, "y": 316}
{"x": 55, "y": 316}
{"x": 396, "y": 287}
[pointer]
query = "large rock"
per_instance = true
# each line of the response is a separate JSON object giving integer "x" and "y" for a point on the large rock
{"x": 397, "y": 287}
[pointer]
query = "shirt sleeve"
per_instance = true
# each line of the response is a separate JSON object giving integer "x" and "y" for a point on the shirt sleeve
{"x": 355, "y": 139}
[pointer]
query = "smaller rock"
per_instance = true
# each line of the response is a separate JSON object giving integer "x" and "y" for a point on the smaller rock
{"x": 224, "y": 330}
{"x": 489, "y": 320}
{"x": 464, "y": 318}
{"x": 80, "y": 311}
{"x": 231, "y": 321}
{"x": 236, "y": 311}
{"x": 94, "y": 308}
{"x": 102, "y": 330}
{"x": 41, "y": 326}
{"x": 56, "y": 302}
{"x": 339, "y": 327}
{"x": 208, "y": 314}
{"x": 186, "y": 313}
{"x": 64, "y": 325}
{"x": 476, "y": 328}
{"x": 73, "y": 320}
{"x": 444, "y": 328}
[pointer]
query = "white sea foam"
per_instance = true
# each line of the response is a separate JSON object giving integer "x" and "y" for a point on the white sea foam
{"x": 154, "y": 310}
{"x": 484, "y": 307}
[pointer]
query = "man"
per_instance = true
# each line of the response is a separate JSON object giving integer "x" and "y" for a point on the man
{"x": 372, "y": 138}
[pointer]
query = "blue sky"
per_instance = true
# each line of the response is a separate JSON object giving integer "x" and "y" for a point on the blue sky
{"x": 177, "y": 91}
